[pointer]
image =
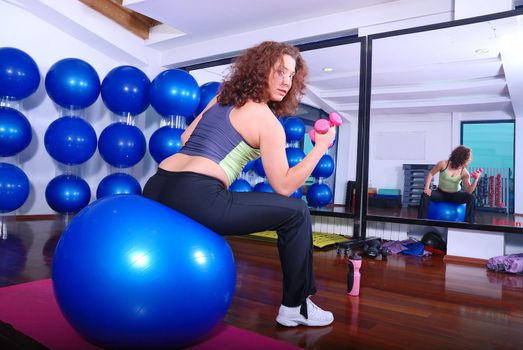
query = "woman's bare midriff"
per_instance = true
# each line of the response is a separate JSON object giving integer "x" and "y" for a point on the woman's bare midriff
{"x": 183, "y": 162}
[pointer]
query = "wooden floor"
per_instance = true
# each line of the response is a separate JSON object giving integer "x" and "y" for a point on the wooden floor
{"x": 405, "y": 302}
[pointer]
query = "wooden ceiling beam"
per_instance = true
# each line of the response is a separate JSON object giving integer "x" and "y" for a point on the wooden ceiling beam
{"x": 135, "y": 22}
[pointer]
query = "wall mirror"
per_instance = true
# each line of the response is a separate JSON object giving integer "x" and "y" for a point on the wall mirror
{"x": 333, "y": 86}
{"x": 433, "y": 90}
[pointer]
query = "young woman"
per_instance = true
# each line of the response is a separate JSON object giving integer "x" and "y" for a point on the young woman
{"x": 237, "y": 126}
{"x": 452, "y": 174}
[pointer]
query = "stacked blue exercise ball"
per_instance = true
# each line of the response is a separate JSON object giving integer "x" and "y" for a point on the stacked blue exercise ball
{"x": 165, "y": 142}
{"x": 67, "y": 194}
{"x": 129, "y": 272}
{"x": 19, "y": 74}
{"x": 125, "y": 91}
{"x": 72, "y": 83}
{"x": 122, "y": 145}
{"x": 174, "y": 92}
{"x": 15, "y": 132}
{"x": 118, "y": 184}
{"x": 70, "y": 140}
{"x": 240, "y": 185}
{"x": 324, "y": 168}
{"x": 319, "y": 195}
{"x": 14, "y": 187}
{"x": 294, "y": 129}
{"x": 208, "y": 91}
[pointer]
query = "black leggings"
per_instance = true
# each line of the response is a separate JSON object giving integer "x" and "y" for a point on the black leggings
{"x": 207, "y": 201}
{"x": 442, "y": 196}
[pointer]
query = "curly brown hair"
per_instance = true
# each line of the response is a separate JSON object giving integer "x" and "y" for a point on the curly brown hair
{"x": 248, "y": 78}
{"x": 459, "y": 156}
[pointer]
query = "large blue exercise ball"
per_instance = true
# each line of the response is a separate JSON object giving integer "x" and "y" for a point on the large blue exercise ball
{"x": 263, "y": 187}
{"x": 165, "y": 142}
{"x": 240, "y": 185}
{"x": 70, "y": 140}
{"x": 67, "y": 194}
{"x": 258, "y": 167}
{"x": 294, "y": 156}
{"x": 122, "y": 145}
{"x": 319, "y": 195}
{"x": 125, "y": 90}
{"x": 294, "y": 129}
{"x": 19, "y": 74}
{"x": 324, "y": 168}
{"x": 129, "y": 272}
{"x": 72, "y": 83}
{"x": 174, "y": 92}
{"x": 15, "y": 132}
{"x": 117, "y": 184}
{"x": 298, "y": 193}
{"x": 447, "y": 211}
{"x": 207, "y": 92}
{"x": 14, "y": 187}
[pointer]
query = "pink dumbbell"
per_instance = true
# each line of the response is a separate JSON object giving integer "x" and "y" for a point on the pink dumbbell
{"x": 477, "y": 173}
{"x": 321, "y": 126}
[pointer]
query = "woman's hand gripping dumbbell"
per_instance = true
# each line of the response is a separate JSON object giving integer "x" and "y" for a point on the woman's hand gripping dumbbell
{"x": 322, "y": 126}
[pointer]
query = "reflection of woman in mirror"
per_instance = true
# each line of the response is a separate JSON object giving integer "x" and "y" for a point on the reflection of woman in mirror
{"x": 238, "y": 126}
{"x": 452, "y": 174}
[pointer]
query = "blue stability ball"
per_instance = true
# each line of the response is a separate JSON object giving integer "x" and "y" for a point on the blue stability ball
{"x": 129, "y": 272}
{"x": 70, "y": 140}
{"x": 125, "y": 90}
{"x": 122, "y": 145}
{"x": 240, "y": 185}
{"x": 294, "y": 156}
{"x": 116, "y": 184}
{"x": 165, "y": 142}
{"x": 175, "y": 92}
{"x": 14, "y": 187}
{"x": 72, "y": 83}
{"x": 258, "y": 167}
{"x": 67, "y": 194}
{"x": 294, "y": 129}
{"x": 207, "y": 92}
{"x": 446, "y": 211}
{"x": 19, "y": 75}
{"x": 324, "y": 168}
{"x": 319, "y": 195}
{"x": 298, "y": 193}
{"x": 248, "y": 167}
{"x": 15, "y": 132}
{"x": 263, "y": 187}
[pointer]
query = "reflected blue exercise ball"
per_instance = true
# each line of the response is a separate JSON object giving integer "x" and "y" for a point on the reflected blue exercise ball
{"x": 319, "y": 195}
{"x": 263, "y": 187}
{"x": 14, "y": 187}
{"x": 324, "y": 168}
{"x": 298, "y": 193}
{"x": 248, "y": 167}
{"x": 72, "y": 83}
{"x": 125, "y": 90}
{"x": 294, "y": 129}
{"x": 15, "y": 132}
{"x": 67, "y": 194}
{"x": 294, "y": 156}
{"x": 19, "y": 74}
{"x": 174, "y": 92}
{"x": 70, "y": 140}
{"x": 165, "y": 142}
{"x": 116, "y": 184}
{"x": 129, "y": 272}
{"x": 122, "y": 145}
{"x": 447, "y": 211}
{"x": 258, "y": 167}
{"x": 240, "y": 185}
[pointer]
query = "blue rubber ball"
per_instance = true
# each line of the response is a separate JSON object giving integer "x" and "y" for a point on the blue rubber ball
{"x": 70, "y": 140}
{"x": 165, "y": 142}
{"x": 19, "y": 74}
{"x": 207, "y": 92}
{"x": 263, "y": 187}
{"x": 125, "y": 90}
{"x": 122, "y": 145}
{"x": 14, "y": 187}
{"x": 67, "y": 194}
{"x": 72, "y": 83}
{"x": 240, "y": 185}
{"x": 294, "y": 129}
{"x": 324, "y": 168}
{"x": 174, "y": 92}
{"x": 117, "y": 184}
{"x": 129, "y": 272}
{"x": 294, "y": 156}
{"x": 15, "y": 132}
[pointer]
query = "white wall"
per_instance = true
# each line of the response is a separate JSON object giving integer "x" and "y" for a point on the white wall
{"x": 46, "y": 45}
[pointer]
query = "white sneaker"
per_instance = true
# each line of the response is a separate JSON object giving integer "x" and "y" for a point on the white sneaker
{"x": 291, "y": 316}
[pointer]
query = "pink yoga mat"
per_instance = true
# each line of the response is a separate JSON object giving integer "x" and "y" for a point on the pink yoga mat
{"x": 31, "y": 309}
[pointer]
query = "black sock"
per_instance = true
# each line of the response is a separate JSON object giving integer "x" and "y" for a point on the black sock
{"x": 303, "y": 309}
